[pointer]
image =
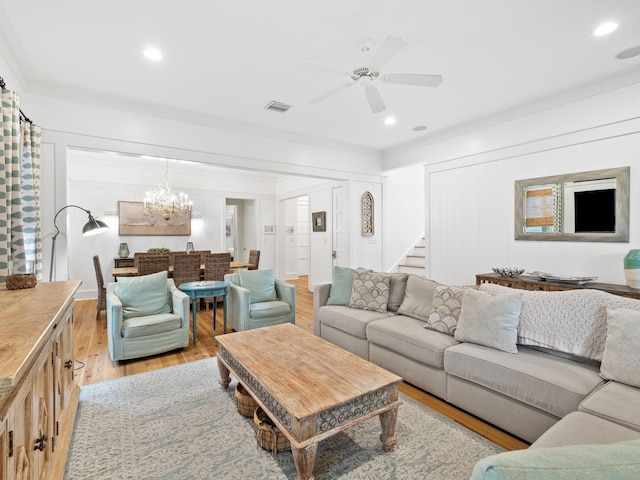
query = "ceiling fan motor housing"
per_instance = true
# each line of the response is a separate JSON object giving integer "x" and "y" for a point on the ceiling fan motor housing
{"x": 361, "y": 72}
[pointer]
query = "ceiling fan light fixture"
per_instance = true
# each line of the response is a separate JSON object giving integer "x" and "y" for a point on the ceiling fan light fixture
{"x": 152, "y": 54}
{"x": 605, "y": 29}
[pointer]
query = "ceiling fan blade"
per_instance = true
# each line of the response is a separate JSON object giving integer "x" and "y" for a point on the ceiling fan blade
{"x": 389, "y": 49}
{"x": 374, "y": 98}
{"x": 417, "y": 79}
{"x": 330, "y": 93}
{"x": 327, "y": 68}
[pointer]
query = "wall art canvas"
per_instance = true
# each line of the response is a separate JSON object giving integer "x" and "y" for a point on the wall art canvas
{"x": 134, "y": 220}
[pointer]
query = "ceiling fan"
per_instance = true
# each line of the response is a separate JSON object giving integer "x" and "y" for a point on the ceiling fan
{"x": 365, "y": 76}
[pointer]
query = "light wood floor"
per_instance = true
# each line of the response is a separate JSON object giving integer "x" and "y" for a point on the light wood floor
{"x": 94, "y": 365}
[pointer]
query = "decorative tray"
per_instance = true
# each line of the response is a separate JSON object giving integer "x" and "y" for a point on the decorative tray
{"x": 557, "y": 278}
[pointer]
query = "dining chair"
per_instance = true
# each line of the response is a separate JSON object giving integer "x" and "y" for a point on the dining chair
{"x": 151, "y": 263}
{"x": 101, "y": 303}
{"x": 254, "y": 259}
{"x": 186, "y": 268}
{"x": 216, "y": 266}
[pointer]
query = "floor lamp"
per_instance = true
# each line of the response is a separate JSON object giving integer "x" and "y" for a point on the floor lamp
{"x": 92, "y": 227}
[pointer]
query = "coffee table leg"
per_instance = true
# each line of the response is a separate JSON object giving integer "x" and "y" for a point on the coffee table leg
{"x": 225, "y": 379}
{"x": 304, "y": 459}
{"x": 388, "y": 423}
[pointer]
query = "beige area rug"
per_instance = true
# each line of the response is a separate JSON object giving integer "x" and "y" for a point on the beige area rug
{"x": 178, "y": 423}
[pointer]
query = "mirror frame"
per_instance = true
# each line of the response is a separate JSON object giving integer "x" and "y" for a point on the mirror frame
{"x": 622, "y": 176}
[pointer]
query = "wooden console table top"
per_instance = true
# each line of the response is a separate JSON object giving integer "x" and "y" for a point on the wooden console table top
{"x": 529, "y": 282}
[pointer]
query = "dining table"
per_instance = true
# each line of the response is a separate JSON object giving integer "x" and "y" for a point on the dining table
{"x": 133, "y": 271}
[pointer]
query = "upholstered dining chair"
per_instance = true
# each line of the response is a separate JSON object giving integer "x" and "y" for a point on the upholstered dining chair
{"x": 101, "y": 303}
{"x": 257, "y": 299}
{"x": 254, "y": 259}
{"x": 186, "y": 268}
{"x": 148, "y": 263}
{"x": 146, "y": 315}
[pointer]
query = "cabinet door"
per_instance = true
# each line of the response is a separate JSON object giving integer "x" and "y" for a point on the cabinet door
{"x": 63, "y": 374}
{"x": 42, "y": 415}
{"x": 19, "y": 437}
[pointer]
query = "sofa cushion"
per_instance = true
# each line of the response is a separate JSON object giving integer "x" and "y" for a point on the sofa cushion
{"x": 572, "y": 321}
{"x": 620, "y": 461}
{"x": 578, "y": 428}
{"x": 418, "y": 298}
{"x": 548, "y": 382}
{"x": 445, "y": 308}
{"x": 350, "y": 320}
{"x": 397, "y": 288}
{"x": 341, "y": 286}
{"x": 261, "y": 283}
{"x": 490, "y": 320}
{"x": 370, "y": 291}
{"x": 135, "y": 327}
{"x": 143, "y": 295}
{"x": 407, "y": 336}
{"x": 621, "y": 356}
{"x": 616, "y": 402}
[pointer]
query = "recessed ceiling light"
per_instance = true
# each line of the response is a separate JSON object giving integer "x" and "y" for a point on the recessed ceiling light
{"x": 605, "y": 29}
{"x": 152, "y": 54}
{"x": 419, "y": 128}
{"x": 629, "y": 53}
{"x": 389, "y": 121}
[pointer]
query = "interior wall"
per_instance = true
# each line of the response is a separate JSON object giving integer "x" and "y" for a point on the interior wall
{"x": 469, "y": 185}
{"x": 320, "y": 264}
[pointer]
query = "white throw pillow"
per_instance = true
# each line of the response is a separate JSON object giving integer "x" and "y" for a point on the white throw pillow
{"x": 490, "y": 320}
{"x": 621, "y": 356}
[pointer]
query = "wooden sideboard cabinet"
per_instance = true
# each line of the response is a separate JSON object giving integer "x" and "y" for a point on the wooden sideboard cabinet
{"x": 38, "y": 395}
{"x": 529, "y": 282}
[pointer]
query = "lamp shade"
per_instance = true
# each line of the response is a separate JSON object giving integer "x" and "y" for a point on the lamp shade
{"x": 94, "y": 227}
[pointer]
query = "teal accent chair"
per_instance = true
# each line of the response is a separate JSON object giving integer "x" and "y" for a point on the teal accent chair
{"x": 256, "y": 299}
{"x": 146, "y": 315}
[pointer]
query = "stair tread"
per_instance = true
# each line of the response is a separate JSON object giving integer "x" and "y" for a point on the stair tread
{"x": 410, "y": 265}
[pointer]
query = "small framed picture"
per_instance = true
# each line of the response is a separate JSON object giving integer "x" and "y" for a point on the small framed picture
{"x": 319, "y": 221}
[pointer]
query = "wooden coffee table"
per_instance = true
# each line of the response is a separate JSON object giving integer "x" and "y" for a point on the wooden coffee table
{"x": 310, "y": 388}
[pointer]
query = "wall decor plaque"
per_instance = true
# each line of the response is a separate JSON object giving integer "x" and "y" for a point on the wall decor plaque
{"x": 368, "y": 228}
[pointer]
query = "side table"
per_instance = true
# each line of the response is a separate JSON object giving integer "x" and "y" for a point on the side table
{"x": 214, "y": 289}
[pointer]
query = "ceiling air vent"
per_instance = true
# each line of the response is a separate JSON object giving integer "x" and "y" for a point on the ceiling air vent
{"x": 277, "y": 107}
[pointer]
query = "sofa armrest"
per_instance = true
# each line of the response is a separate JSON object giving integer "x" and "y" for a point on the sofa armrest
{"x": 239, "y": 299}
{"x": 114, "y": 319}
{"x": 320, "y": 296}
{"x": 286, "y": 292}
{"x": 179, "y": 302}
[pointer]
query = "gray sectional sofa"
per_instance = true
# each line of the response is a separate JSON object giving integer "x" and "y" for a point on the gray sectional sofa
{"x": 530, "y": 363}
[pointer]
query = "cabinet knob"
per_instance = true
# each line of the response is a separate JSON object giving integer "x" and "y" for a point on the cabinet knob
{"x": 41, "y": 443}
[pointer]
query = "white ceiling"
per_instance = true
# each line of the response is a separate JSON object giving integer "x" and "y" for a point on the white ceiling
{"x": 227, "y": 60}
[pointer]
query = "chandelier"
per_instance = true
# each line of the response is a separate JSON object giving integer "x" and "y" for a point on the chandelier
{"x": 164, "y": 200}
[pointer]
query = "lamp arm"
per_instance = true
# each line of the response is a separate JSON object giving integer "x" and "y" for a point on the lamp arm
{"x": 57, "y": 232}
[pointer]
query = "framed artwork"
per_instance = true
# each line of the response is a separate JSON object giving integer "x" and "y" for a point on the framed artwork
{"x": 319, "y": 221}
{"x": 133, "y": 220}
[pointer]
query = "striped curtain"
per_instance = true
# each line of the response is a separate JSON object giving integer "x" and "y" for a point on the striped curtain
{"x": 20, "y": 233}
{"x": 30, "y": 195}
{"x": 10, "y": 215}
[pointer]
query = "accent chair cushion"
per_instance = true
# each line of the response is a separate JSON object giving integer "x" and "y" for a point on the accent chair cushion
{"x": 341, "y": 286}
{"x": 143, "y": 295}
{"x": 418, "y": 298}
{"x": 619, "y": 460}
{"x": 370, "y": 291}
{"x": 261, "y": 284}
{"x": 490, "y": 320}
{"x": 621, "y": 356}
{"x": 445, "y": 309}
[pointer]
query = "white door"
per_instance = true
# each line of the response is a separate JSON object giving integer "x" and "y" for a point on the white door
{"x": 340, "y": 244}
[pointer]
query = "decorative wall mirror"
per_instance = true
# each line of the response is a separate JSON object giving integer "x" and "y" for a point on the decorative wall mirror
{"x": 577, "y": 207}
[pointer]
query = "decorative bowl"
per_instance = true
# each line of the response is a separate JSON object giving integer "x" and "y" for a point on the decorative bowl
{"x": 508, "y": 272}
